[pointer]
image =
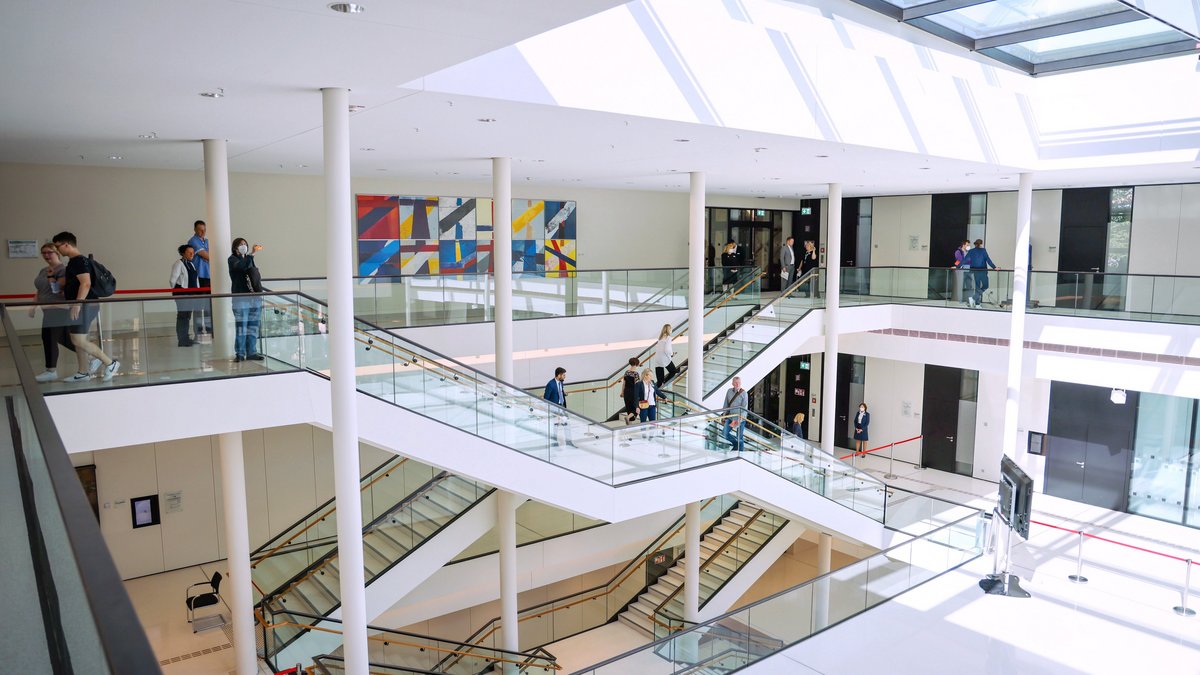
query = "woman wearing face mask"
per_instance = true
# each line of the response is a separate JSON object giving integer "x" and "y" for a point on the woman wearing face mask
{"x": 960, "y": 271}
{"x": 243, "y": 278}
{"x": 56, "y": 319}
{"x": 861, "y": 421}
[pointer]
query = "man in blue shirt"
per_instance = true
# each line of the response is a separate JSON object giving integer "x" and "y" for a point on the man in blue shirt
{"x": 556, "y": 393}
{"x": 199, "y": 243}
{"x": 978, "y": 261}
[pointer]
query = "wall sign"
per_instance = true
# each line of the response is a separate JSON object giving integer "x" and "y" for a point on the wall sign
{"x": 144, "y": 511}
{"x": 22, "y": 248}
{"x": 1037, "y": 443}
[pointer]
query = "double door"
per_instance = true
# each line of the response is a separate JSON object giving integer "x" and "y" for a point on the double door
{"x": 1089, "y": 445}
{"x": 758, "y": 245}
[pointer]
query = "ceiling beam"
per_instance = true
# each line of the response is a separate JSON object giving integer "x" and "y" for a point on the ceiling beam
{"x": 1008, "y": 59}
{"x": 1123, "y": 56}
{"x": 937, "y": 7}
{"x": 948, "y": 34}
{"x": 882, "y": 6}
{"x": 1051, "y": 30}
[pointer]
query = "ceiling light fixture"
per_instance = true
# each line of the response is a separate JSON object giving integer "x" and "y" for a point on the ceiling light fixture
{"x": 759, "y": 149}
{"x": 486, "y": 120}
{"x": 115, "y": 157}
{"x": 922, "y": 168}
{"x": 354, "y": 107}
{"x": 219, "y": 93}
{"x": 683, "y": 140}
{"x": 149, "y": 137}
{"x": 822, "y": 156}
{"x": 347, "y": 8}
{"x": 367, "y": 149}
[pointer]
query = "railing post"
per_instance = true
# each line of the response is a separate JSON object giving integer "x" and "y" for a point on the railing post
{"x": 1078, "y": 576}
{"x": 890, "y": 475}
{"x": 1182, "y": 610}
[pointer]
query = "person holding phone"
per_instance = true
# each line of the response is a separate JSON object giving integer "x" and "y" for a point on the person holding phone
{"x": 243, "y": 274}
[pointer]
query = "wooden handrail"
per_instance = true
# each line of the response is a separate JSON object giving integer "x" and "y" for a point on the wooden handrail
{"x": 323, "y": 516}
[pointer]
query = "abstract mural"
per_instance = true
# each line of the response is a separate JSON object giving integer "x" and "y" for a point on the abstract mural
{"x": 400, "y": 235}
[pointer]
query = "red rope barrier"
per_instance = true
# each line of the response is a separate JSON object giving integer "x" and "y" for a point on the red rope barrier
{"x": 1113, "y": 541}
{"x": 867, "y": 452}
{"x": 131, "y": 291}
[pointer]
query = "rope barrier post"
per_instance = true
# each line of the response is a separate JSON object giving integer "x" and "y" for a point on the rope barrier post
{"x": 1078, "y": 576}
{"x": 1182, "y": 610}
{"x": 891, "y": 475}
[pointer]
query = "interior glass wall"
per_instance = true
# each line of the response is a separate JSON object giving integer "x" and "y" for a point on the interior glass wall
{"x": 1161, "y": 481}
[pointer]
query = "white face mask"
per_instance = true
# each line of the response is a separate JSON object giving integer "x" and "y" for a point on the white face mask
{"x": 243, "y": 249}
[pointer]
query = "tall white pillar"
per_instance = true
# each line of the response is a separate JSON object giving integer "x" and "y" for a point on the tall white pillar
{"x": 821, "y": 588}
{"x": 1016, "y": 328}
{"x": 238, "y": 589}
{"x": 502, "y": 263}
{"x": 506, "y": 526}
{"x": 691, "y": 562}
{"x": 695, "y": 377}
{"x": 220, "y": 239}
{"x": 346, "y": 473}
{"x": 833, "y": 287}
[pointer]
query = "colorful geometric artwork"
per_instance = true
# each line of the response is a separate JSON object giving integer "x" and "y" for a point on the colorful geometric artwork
{"x": 527, "y": 256}
{"x": 456, "y": 218}
{"x": 560, "y": 220}
{"x": 457, "y": 257}
{"x": 419, "y": 256}
{"x": 400, "y": 235}
{"x": 528, "y": 219}
{"x": 560, "y": 257}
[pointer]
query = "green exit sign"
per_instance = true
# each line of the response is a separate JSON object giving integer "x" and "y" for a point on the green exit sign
{"x": 806, "y": 210}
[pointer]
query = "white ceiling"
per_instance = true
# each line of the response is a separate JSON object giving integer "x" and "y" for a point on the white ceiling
{"x": 83, "y": 79}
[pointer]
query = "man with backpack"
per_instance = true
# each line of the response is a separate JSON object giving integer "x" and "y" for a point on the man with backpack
{"x": 82, "y": 279}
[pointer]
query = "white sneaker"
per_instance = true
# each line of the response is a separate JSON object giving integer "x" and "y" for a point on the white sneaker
{"x": 78, "y": 377}
{"x": 971, "y": 303}
{"x": 111, "y": 370}
{"x": 48, "y": 376}
{"x": 94, "y": 366}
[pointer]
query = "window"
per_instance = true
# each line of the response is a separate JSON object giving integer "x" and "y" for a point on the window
{"x": 977, "y": 220}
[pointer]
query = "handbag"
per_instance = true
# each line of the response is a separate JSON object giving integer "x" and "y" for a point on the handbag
{"x": 642, "y": 405}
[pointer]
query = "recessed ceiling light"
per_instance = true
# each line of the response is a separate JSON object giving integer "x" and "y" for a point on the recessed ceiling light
{"x": 805, "y": 195}
{"x": 759, "y": 149}
{"x": 115, "y": 157}
{"x": 486, "y": 119}
{"x": 1005, "y": 178}
{"x": 149, "y": 137}
{"x": 683, "y": 140}
{"x": 822, "y": 156}
{"x": 347, "y": 8}
{"x": 776, "y": 179}
{"x": 922, "y": 168}
{"x": 301, "y": 166}
{"x": 354, "y": 107}
{"x": 219, "y": 93}
{"x": 381, "y": 169}
{"x": 367, "y": 149}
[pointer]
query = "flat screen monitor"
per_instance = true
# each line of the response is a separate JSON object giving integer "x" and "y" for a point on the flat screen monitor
{"x": 1016, "y": 497}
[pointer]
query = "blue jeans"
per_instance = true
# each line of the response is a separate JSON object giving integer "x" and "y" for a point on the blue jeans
{"x": 245, "y": 314}
{"x": 981, "y": 284}
{"x": 739, "y": 443}
{"x": 648, "y": 414}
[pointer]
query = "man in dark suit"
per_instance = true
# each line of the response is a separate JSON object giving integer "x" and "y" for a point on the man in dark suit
{"x": 556, "y": 393}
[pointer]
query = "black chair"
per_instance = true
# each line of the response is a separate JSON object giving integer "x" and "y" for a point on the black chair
{"x": 205, "y": 594}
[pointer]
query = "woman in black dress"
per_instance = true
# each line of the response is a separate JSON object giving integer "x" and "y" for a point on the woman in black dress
{"x": 628, "y": 384}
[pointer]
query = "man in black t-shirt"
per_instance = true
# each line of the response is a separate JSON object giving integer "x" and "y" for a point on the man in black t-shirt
{"x": 78, "y": 286}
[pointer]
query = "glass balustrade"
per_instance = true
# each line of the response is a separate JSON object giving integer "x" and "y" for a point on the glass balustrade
{"x": 770, "y": 625}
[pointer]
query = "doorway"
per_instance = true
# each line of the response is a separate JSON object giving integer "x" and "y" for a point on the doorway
{"x": 948, "y": 422}
{"x": 851, "y": 385}
{"x": 856, "y": 246}
{"x": 756, "y": 242}
{"x": 1089, "y": 444}
{"x": 1094, "y": 248}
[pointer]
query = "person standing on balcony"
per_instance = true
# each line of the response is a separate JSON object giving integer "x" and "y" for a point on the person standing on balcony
{"x": 664, "y": 353}
{"x": 787, "y": 262}
{"x": 737, "y": 402}
{"x": 77, "y": 286}
{"x": 243, "y": 279}
{"x": 960, "y": 271}
{"x": 56, "y": 319}
{"x": 199, "y": 244}
{"x": 862, "y": 423}
{"x": 809, "y": 263}
{"x": 979, "y": 262}
{"x": 184, "y": 275}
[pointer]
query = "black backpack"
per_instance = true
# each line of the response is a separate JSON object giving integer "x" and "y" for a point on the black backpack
{"x": 104, "y": 283}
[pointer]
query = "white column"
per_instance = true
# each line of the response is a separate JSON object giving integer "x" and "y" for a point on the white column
{"x": 821, "y": 588}
{"x": 502, "y": 264}
{"x": 220, "y": 239}
{"x": 691, "y": 562}
{"x": 346, "y": 472}
{"x": 1016, "y": 328}
{"x": 506, "y": 526}
{"x": 695, "y": 376}
{"x": 833, "y": 284}
{"x": 606, "y": 301}
{"x": 237, "y": 588}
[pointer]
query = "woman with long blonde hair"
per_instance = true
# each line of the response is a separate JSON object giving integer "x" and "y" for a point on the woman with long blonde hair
{"x": 664, "y": 363}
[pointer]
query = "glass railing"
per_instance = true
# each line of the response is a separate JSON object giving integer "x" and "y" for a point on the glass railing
{"x": 768, "y": 626}
{"x": 585, "y": 610}
{"x": 423, "y": 300}
{"x": 67, "y": 607}
{"x": 535, "y": 522}
{"x": 1139, "y": 297}
{"x": 387, "y": 540}
{"x": 601, "y": 399}
{"x": 393, "y": 651}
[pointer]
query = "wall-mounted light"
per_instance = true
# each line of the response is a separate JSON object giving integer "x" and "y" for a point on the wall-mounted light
{"x": 1117, "y": 396}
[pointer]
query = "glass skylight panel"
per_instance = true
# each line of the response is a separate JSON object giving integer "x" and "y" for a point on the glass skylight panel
{"x": 1007, "y": 16}
{"x": 1144, "y": 33}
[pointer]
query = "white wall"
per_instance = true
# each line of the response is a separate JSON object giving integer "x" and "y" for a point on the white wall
{"x": 893, "y": 393}
{"x": 289, "y": 472}
{"x": 1165, "y": 236}
{"x": 894, "y": 221}
{"x": 134, "y": 219}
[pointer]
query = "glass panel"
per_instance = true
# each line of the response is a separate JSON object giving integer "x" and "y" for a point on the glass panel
{"x": 1007, "y": 16}
{"x": 1124, "y": 36}
{"x": 1161, "y": 450}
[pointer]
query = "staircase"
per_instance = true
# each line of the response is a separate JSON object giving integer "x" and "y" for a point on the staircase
{"x": 724, "y": 550}
{"x": 387, "y": 540}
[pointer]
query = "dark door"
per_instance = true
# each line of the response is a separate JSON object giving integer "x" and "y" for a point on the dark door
{"x": 1089, "y": 445}
{"x": 1082, "y": 243}
{"x": 796, "y": 391}
{"x": 939, "y": 421}
{"x": 845, "y": 364}
{"x": 947, "y": 230}
{"x": 758, "y": 247}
